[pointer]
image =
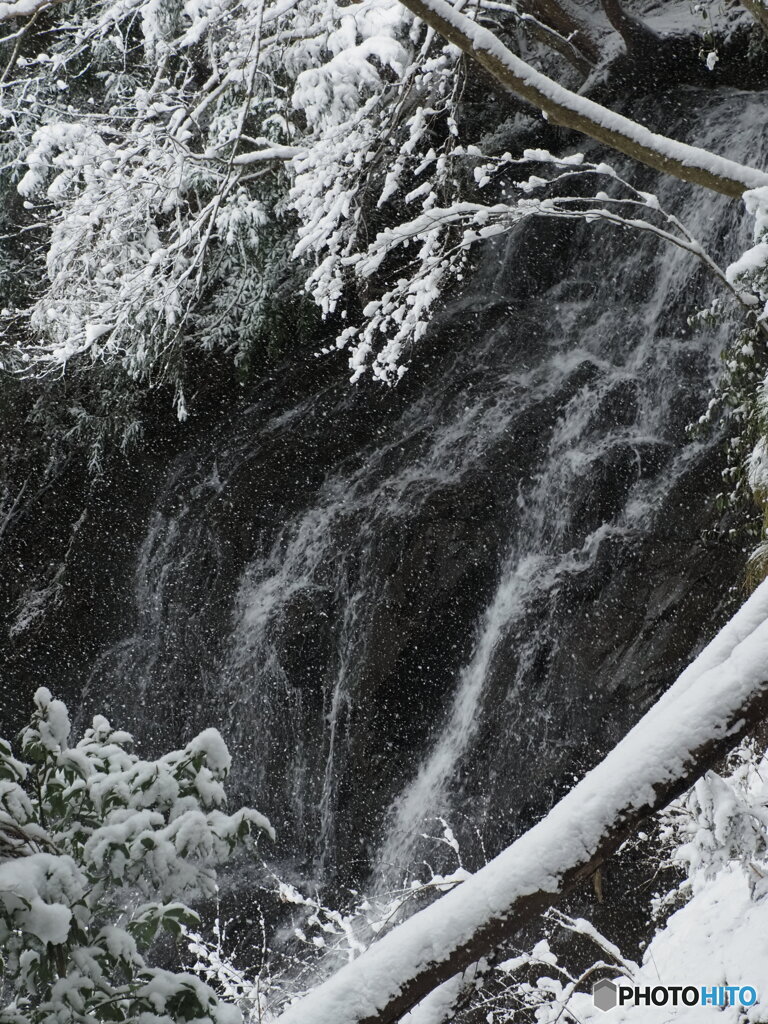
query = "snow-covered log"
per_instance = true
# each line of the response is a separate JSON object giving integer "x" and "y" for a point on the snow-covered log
{"x": 566, "y": 108}
{"x": 720, "y": 697}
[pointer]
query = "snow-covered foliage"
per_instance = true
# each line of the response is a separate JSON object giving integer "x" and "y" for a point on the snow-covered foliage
{"x": 183, "y": 171}
{"x": 741, "y": 394}
{"x": 98, "y": 849}
{"x": 172, "y": 159}
{"x": 187, "y": 180}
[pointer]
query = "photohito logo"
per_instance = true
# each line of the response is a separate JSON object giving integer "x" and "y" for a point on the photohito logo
{"x": 607, "y": 994}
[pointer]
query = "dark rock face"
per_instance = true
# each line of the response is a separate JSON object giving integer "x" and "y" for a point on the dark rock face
{"x": 448, "y": 598}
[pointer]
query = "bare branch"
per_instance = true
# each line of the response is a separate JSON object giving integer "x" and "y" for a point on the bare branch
{"x": 564, "y": 45}
{"x": 564, "y": 23}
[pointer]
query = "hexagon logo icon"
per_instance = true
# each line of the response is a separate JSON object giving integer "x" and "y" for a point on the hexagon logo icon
{"x": 604, "y": 994}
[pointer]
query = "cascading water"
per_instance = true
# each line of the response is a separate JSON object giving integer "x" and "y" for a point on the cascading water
{"x": 447, "y": 599}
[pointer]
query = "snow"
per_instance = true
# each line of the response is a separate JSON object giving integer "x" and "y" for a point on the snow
{"x": 213, "y": 749}
{"x": 119, "y": 943}
{"x": 696, "y": 708}
{"x": 756, "y": 203}
{"x": 438, "y": 1005}
{"x": 37, "y": 891}
{"x": 95, "y": 331}
{"x": 753, "y": 259}
{"x": 757, "y": 468}
{"x": 273, "y": 152}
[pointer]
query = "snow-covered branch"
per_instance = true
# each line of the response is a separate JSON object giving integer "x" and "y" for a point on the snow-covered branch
{"x": 23, "y": 8}
{"x": 689, "y": 163}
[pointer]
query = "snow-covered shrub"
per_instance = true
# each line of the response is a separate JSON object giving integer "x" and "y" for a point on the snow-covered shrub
{"x": 98, "y": 851}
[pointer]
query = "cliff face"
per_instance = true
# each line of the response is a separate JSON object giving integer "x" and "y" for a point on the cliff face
{"x": 447, "y": 598}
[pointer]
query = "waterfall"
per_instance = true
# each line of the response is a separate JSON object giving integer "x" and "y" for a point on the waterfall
{"x": 445, "y": 599}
